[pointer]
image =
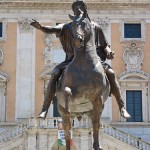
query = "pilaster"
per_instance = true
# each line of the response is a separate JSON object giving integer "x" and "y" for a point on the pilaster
{"x": 84, "y": 140}
{"x": 32, "y": 139}
{"x": 52, "y": 137}
{"x": 43, "y": 139}
{"x": 21, "y": 147}
{"x": 25, "y": 72}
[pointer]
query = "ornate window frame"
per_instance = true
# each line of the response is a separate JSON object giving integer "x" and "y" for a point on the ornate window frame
{"x": 136, "y": 81}
{"x": 1, "y": 56}
{"x": 141, "y": 21}
{"x": 4, "y": 26}
{"x": 3, "y": 93}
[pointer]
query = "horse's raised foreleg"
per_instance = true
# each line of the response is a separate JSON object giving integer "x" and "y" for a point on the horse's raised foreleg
{"x": 96, "y": 126}
{"x": 97, "y": 105}
{"x": 66, "y": 125}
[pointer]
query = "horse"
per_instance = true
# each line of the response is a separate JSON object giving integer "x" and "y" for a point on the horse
{"x": 83, "y": 86}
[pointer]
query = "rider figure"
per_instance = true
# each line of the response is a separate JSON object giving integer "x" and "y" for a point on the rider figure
{"x": 102, "y": 48}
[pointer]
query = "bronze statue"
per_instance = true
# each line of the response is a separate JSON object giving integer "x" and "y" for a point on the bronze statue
{"x": 85, "y": 76}
{"x": 83, "y": 86}
{"x": 102, "y": 48}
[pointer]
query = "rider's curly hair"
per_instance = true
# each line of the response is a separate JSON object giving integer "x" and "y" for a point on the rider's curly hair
{"x": 82, "y": 2}
{"x": 79, "y": 2}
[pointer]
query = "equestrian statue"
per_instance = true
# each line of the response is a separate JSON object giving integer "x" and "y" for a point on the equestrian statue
{"x": 84, "y": 79}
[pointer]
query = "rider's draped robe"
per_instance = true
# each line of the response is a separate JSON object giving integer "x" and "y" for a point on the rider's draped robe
{"x": 66, "y": 39}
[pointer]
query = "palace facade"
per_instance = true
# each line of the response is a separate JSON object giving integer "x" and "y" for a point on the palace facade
{"x": 27, "y": 57}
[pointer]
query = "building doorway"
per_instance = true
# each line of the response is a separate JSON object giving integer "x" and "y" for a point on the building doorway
{"x": 134, "y": 105}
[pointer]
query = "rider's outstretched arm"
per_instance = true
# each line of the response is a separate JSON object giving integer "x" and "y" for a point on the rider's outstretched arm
{"x": 51, "y": 30}
{"x": 47, "y": 29}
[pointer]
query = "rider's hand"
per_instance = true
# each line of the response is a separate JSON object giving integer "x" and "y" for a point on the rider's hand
{"x": 110, "y": 55}
{"x": 35, "y": 24}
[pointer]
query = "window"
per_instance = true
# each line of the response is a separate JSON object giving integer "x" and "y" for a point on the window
{"x": 134, "y": 105}
{"x": 3, "y": 24}
{"x": 1, "y": 29}
{"x": 132, "y": 30}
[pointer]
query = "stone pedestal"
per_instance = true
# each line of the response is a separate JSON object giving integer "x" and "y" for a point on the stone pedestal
{"x": 82, "y": 139}
{"x": 52, "y": 137}
{"x": 43, "y": 142}
{"x": 21, "y": 147}
{"x": 32, "y": 137}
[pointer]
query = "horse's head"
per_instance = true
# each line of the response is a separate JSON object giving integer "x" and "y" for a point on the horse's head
{"x": 81, "y": 30}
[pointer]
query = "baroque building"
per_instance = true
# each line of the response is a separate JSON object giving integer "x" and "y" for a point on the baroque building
{"x": 27, "y": 56}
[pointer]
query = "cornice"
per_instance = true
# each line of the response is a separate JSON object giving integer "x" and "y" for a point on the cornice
{"x": 61, "y": 5}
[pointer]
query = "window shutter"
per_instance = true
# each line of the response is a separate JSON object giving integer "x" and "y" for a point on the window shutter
{"x": 134, "y": 105}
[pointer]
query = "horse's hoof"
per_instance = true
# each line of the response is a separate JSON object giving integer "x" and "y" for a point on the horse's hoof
{"x": 98, "y": 148}
{"x": 124, "y": 113}
{"x": 42, "y": 115}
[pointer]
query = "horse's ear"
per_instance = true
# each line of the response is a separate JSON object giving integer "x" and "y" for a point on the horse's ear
{"x": 76, "y": 18}
{"x": 71, "y": 17}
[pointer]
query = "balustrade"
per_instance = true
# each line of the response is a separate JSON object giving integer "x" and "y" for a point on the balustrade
{"x": 7, "y": 135}
{"x": 52, "y": 122}
{"x": 84, "y": 123}
{"x": 122, "y": 136}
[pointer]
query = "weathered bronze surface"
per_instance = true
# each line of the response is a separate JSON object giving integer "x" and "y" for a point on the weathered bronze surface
{"x": 83, "y": 86}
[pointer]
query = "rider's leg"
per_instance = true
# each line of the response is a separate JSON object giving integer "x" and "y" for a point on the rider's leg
{"x": 51, "y": 89}
{"x": 115, "y": 89}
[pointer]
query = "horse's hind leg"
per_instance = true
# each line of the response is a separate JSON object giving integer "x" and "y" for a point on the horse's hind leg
{"x": 95, "y": 116}
{"x": 66, "y": 125}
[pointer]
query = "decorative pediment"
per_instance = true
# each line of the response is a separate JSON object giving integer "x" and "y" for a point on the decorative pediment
{"x": 134, "y": 76}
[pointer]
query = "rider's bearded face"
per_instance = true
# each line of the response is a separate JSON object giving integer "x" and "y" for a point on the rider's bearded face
{"x": 78, "y": 8}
